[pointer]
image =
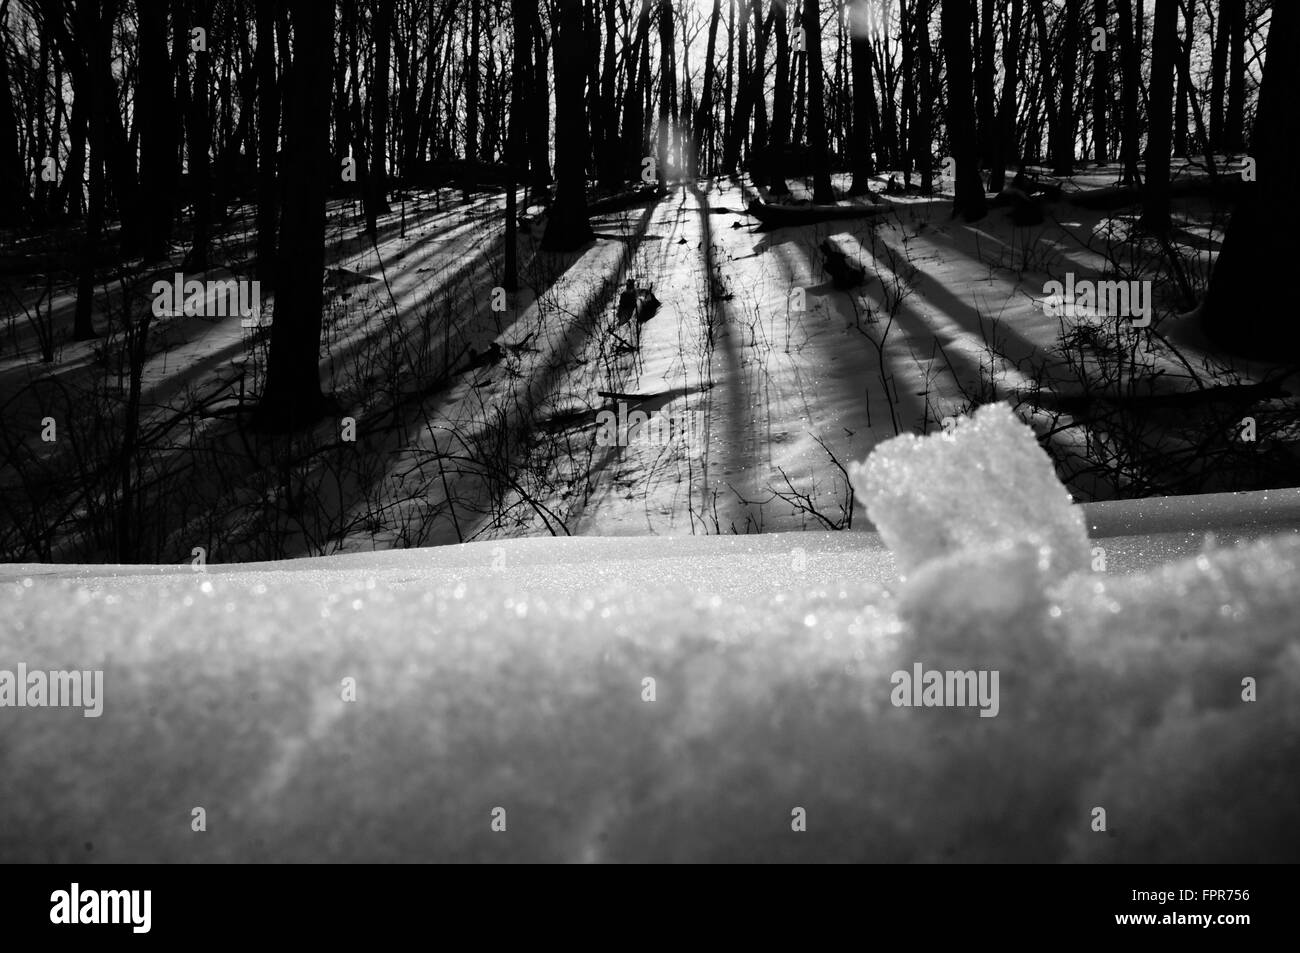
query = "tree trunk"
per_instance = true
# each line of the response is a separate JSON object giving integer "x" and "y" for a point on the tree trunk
{"x": 757, "y": 74}
{"x": 988, "y": 134}
{"x": 955, "y": 22}
{"x": 1064, "y": 132}
{"x": 376, "y": 190}
{"x": 516, "y": 159}
{"x": 293, "y": 398}
{"x": 157, "y": 134}
{"x": 812, "y": 25}
{"x": 728, "y": 99}
{"x": 95, "y": 28}
{"x": 800, "y": 87}
{"x": 268, "y": 135}
{"x": 1182, "y": 103}
{"x": 72, "y": 196}
{"x": 1219, "y": 72}
{"x": 1049, "y": 79}
{"x": 1007, "y": 108}
{"x": 664, "y": 133}
{"x": 567, "y": 227}
{"x": 610, "y": 163}
{"x": 1234, "y": 120}
{"x": 739, "y": 129}
{"x": 1241, "y": 312}
{"x": 703, "y": 124}
{"x": 1131, "y": 133}
{"x": 633, "y": 104}
{"x": 13, "y": 178}
{"x": 1101, "y": 67}
{"x": 472, "y": 104}
{"x": 199, "y": 134}
{"x": 539, "y": 135}
{"x": 923, "y": 141}
{"x": 1164, "y": 46}
{"x": 863, "y": 96}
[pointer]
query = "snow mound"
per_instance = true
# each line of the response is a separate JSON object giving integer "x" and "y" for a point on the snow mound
{"x": 715, "y": 699}
{"x": 982, "y": 483}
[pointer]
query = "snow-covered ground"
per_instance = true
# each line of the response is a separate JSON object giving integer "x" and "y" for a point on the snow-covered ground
{"x": 691, "y": 698}
{"x": 789, "y": 377}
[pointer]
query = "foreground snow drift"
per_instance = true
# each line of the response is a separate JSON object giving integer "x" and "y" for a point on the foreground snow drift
{"x": 695, "y": 699}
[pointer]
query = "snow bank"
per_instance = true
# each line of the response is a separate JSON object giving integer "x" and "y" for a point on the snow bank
{"x": 514, "y": 676}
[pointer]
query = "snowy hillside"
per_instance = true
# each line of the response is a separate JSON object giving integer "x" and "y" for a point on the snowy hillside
{"x": 514, "y": 675}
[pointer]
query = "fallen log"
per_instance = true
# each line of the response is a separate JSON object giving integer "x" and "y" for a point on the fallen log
{"x": 1227, "y": 187}
{"x": 624, "y": 200}
{"x": 790, "y": 216}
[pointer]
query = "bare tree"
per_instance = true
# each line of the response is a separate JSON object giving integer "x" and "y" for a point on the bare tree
{"x": 1131, "y": 132}
{"x": 955, "y": 23}
{"x": 1240, "y": 311}
{"x": 1100, "y": 88}
{"x": 812, "y": 25}
{"x": 13, "y": 180}
{"x": 268, "y": 140}
{"x": 863, "y": 96}
{"x": 293, "y": 397}
{"x": 1164, "y": 39}
{"x": 568, "y": 227}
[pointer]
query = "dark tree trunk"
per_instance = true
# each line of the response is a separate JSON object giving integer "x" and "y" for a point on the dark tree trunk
{"x": 1063, "y": 151}
{"x": 800, "y": 88}
{"x": 1219, "y": 72}
{"x": 1048, "y": 82}
{"x": 1131, "y": 133}
{"x": 664, "y": 133}
{"x": 539, "y": 108}
{"x": 268, "y": 135}
{"x": 293, "y": 396}
{"x": 988, "y": 133}
{"x": 567, "y": 227}
{"x": 703, "y": 124}
{"x": 758, "y": 71}
{"x": 516, "y": 159}
{"x": 864, "y": 96}
{"x": 1101, "y": 67}
{"x": 1234, "y": 120}
{"x": 95, "y": 29}
{"x": 727, "y": 98}
{"x": 72, "y": 196}
{"x": 908, "y": 111}
{"x": 1007, "y": 108}
{"x": 955, "y": 22}
{"x": 923, "y": 141}
{"x": 376, "y": 190}
{"x": 1182, "y": 103}
{"x": 425, "y": 110}
{"x": 199, "y": 134}
{"x": 158, "y": 143}
{"x": 472, "y": 104}
{"x": 812, "y": 25}
{"x": 610, "y": 162}
{"x": 13, "y": 179}
{"x": 633, "y": 99}
{"x": 1164, "y": 47}
{"x": 1241, "y": 312}
{"x": 739, "y": 129}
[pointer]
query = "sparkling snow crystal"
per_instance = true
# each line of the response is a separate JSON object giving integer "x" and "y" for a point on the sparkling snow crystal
{"x": 982, "y": 483}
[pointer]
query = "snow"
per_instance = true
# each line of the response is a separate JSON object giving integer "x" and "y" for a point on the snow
{"x": 983, "y": 481}
{"x": 789, "y": 391}
{"x": 511, "y": 674}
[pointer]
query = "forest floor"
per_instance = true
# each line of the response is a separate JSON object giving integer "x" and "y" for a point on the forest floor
{"x": 782, "y": 377}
